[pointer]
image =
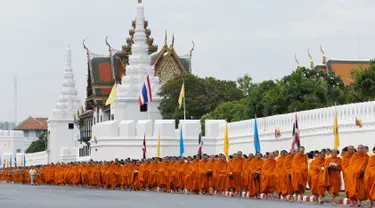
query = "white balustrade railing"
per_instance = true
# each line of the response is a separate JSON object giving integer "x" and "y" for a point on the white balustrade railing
{"x": 311, "y": 120}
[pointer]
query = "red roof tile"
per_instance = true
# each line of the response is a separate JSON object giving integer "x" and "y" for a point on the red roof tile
{"x": 33, "y": 124}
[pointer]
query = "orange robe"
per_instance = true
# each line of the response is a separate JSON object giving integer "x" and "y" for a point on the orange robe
{"x": 202, "y": 175}
{"x": 171, "y": 174}
{"x": 254, "y": 183}
{"x": 210, "y": 178}
{"x": 370, "y": 178}
{"x": 235, "y": 166}
{"x": 355, "y": 181}
{"x": 281, "y": 177}
{"x": 180, "y": 175}
{"x": 287, "y": 164}
{"x": 267, "y": 177}
{"x": 332, "y": 177}
{"x": 245, "y": 173}
{"x": 194, "y": 180}
{"x": 162, "y": 178}
{"x": 314, "y": 179}
{"x": 220, "y": 175}
{"x": 345, "y": 164}
{"x": 299, "y": 173}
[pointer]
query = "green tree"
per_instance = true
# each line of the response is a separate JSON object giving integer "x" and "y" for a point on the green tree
{"x": 202, "y": 96}
{"x": 364, "y": 82}
{"x": 38, "y": 145}
{"x": 244, "y": 84}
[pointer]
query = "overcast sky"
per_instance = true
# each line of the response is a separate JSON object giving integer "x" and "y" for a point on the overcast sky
{"x": 232, "y": 38}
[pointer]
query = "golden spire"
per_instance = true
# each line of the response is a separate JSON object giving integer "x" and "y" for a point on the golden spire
{"x": 295, "y": 58}
{"x": 324, "y": 56}
{"x": 192, "y": 49}
{"x": 139, "y": 1}
{"x": 311, "y": 60}
{"x": 172, "y": 40}
{"x": 84, "y": 46}
{"x": 166, "y": 38}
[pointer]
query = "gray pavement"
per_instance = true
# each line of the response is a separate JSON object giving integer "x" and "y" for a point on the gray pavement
{"x": 25, "y": 196}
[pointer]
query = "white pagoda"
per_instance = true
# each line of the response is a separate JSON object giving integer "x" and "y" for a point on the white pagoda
{"x": 126, "y": 105}
{"x": 61, "y": 128}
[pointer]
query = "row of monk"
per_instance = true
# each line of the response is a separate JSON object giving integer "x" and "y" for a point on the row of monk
{"x": 284, "y": 174}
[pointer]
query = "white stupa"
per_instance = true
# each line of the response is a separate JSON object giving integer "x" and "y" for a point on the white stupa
{"x": 126, "y": 105}
{"x": 61, "y": 128}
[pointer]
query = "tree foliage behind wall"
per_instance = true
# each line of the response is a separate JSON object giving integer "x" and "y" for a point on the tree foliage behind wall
{"x": 303, "y": 89}
{"x": 38, "y": 145}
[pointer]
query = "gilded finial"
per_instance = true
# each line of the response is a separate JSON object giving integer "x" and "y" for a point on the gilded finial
{"x": 295, "y": 58}
{"x": 166, "y": 38}
{"x": 324, "y": 56}
{"x": 78, "y": 114}
{"x": 192, "y": 49}
{"x": 172, "y": 40}
{"x": 139, "y": 1}
{"x": 308, "y": 52}
{"x": 84, "y": 46}
{"x": 311, "y": 60}
{"x": 321, "y": 50}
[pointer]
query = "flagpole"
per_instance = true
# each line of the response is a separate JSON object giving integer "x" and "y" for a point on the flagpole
{"x": 184, "y": 100}
{"x": 149, "y": 110}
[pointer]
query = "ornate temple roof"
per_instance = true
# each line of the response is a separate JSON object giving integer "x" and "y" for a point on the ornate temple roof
{"x": 341, "y": 67}
{"x": 105, "y": 70}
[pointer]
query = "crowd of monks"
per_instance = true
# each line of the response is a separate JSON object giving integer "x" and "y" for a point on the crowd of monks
{"x": 284, "y": 174}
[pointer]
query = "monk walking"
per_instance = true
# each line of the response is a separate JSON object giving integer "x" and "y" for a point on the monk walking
{"x": 315, "y": 170}
{"x": 267, "y": 179}
{"x": 355, "y": 176}
{"x": 331, "y": 175}
{"x": 299, "y": 173}
{"x": 235, "y": 170}
{"x": 370, "y": 178}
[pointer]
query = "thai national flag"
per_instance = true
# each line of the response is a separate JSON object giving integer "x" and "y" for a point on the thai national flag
{"x": 146, "y": 93}
{"x": 296, "y": 144}
{"x": 200, "y": 143}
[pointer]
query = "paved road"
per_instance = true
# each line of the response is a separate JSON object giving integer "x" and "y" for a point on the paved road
{"x": 22, "y": 196}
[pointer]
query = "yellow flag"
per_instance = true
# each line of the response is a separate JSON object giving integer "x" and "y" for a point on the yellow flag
{"x": 336, "y": 132}
{"x": 182, "y": 95}
{"x": 226, "y": 141}
{"x": 158, "y": 151}
{"x": 112, "y": 96}
{"x": 8, "y": 143}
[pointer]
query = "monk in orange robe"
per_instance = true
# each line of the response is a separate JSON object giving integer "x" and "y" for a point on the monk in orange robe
{"x": 288, "y": 171}
{"x": 255, "y": 169}
{"x": 162, "y": 179}
{"x": 154, "y": 172}
{"x": 202, "y": 174}
{"x": 136, "y": 184}
{"x": 171, "y": 174}
{"x": 355, "y": 176}
{"x": 299, "y": 173}
{"x": 246, "y": 171}
{"x": 187, "y": 174}
{"x": 210, "y": 178}
{"x": 347, "y": 155}
{"x": 315, "y": 170}
{"x": 235, "y": 169}
{"x": 281, "y": 176}
{"x": 220, "y": 174}
{"x": 331, "y": 175}
{"x": 194, "y": 170}
{"x": 370, "y": 178}
{"x": 267, "y": 176}
{"x": 180, "y": 174}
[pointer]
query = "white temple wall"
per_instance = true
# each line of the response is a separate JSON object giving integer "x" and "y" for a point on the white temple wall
{"x": 129, "y": 109}
{"x": 60, "y": 136}
{"x": 123, "y": 139}
{"x": 10, "y": 142}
